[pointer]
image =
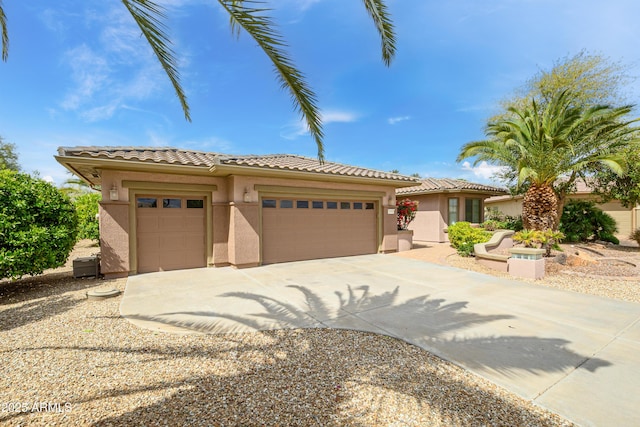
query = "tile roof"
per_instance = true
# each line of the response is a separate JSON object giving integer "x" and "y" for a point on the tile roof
{"x": 164, "y": 155}
{"x": 438, "y": 185}
{"x": 283, "y": 162}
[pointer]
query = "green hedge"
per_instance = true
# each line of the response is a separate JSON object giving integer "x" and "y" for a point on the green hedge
{"x": 87, "y": 210}
{"x": 38, "y": 225}
{"x": 462, "y": 237}
{"x": 582, "y": 221}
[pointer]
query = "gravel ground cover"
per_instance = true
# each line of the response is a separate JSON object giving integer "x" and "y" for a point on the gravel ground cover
{"x": 71, "y": 361}
{"x": 614, "y": 274}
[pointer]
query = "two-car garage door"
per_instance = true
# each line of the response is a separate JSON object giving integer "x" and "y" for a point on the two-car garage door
{"x": 170, "y": 233}
{"x": 171, "y": 230}
{"x": 295, "y": 229}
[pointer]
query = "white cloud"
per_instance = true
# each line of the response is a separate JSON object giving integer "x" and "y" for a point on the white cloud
{"x": 484, "y": 170}
{"x": 89, "y": 73}
{"x": 118, "y": 69}
{"x": 299, "y": 128}
{"x": 394, "y": 120}
{"x": 338, "y": 116}
{"x": 102, "y": 112}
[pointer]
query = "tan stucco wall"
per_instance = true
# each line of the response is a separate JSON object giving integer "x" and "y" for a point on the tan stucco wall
{"x": 430, "y": 222}
{"x": 511, "y": 207}
{"x": 114, "y": 238}
{"x": 234, "y": 220}
{"x": 244, "y": 237}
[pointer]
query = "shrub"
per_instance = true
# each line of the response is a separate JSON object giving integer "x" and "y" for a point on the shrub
{"x": 512, "y": 223}
{"x": 462, "y": 237}
{"x": 491, "y": 225}
{"x": 406, "y": 210}
{"x": 499, "y": 221}
{"x": 635, "y": 235}
{"x": 547, "y": 239}
{"x": 87, "y": 210}
{"x": 582, "y": 221}
{"x": 37, "y": 225}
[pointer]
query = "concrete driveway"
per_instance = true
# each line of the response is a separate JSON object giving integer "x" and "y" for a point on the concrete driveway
{"x": 574, "y": 354}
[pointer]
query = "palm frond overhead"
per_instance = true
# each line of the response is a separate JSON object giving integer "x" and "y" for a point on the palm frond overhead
{"x": 5, "y": 33}
{"x": 150, "y": 18}
{"x": 262, "y": 29}
{"x": 382, "y": 20}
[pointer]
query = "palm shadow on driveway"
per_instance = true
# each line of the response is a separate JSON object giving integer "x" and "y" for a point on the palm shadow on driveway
{"x": 433, "y": 324}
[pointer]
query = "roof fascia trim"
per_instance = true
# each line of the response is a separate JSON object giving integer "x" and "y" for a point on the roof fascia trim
{"x": 226, "y": 170}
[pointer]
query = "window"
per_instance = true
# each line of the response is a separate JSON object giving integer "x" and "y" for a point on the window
{"x": 357, "y": 205}
{"x": 317, "y": 204}
{"x": 369, "y": 206}
{"x": 147, "y": 202}
{"x": 332, "y": 205}
{"x": 453, "y": 211}
{"x": 195, "y": 204}
{"x": 345, "y": 205}
{"x": 286, "y": 204}
{"x": 171, "y": 203}
{"x": 302, "y": 204}
{"x": 472, "y": 210}
{"x": 268, "y": 203}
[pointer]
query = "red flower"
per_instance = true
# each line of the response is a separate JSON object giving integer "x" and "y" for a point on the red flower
{"x": 406, "y": 210}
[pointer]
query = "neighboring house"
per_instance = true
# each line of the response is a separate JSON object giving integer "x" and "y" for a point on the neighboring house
{"x": 627, "y": 219}
{"x": 443, "y": 202}
{"x": 166, "y": 208}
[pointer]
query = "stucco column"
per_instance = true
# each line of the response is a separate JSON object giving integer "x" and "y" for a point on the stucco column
{"x": 220, "y": 228}
{"x": 389, "y": 229}
{"x": 114, "y": 239}
{"x": 244, "y": 236}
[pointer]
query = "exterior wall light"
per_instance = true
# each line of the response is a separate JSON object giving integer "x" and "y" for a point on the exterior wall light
{"x": 113, "y": 193}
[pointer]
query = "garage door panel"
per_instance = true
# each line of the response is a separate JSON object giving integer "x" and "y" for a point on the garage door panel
{"x": 171, "y": 237}
{"x": 292, "y": 234}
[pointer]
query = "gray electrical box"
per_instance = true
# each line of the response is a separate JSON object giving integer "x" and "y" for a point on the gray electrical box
{"x": 88, "y": 266}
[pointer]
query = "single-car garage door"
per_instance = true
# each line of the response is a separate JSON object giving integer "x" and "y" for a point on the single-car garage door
{"x": 170, "y": 232}
{"x": 295, "y": 229}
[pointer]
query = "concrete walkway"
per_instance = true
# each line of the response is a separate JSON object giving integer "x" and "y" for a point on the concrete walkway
{"x": 574, "y": 354}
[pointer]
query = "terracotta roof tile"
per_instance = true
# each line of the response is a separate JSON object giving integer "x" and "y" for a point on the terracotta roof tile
{"x": 436, "y": 185}
{"x": 168, "y": 155}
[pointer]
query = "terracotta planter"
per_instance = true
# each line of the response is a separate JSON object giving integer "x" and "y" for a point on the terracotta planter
{"x": 405, "y": 240}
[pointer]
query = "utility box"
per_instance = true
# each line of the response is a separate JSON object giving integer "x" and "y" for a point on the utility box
{"x": 88, "y": 266}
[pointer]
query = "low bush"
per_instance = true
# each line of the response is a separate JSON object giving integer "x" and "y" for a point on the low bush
{"x": 500, "y": 221}
{"x": 87, "y": 210}
{"x": 462, "y": 237}
{"x": 635, "y": 235}
{"x": 582, "y": 221}
{"x": 547, "y": 239}
{"x": 38, "y": 225}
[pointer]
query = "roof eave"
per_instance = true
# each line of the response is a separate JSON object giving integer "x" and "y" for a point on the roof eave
{"x": 226, "y": 170}
{"x": 455, "y": 190}
{"x": 74, "y": 164}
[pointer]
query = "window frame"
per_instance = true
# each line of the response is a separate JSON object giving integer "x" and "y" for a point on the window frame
{"x": 455, "y": 212}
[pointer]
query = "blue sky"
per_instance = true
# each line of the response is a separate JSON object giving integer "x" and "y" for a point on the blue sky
{"x": 79, "y": 74}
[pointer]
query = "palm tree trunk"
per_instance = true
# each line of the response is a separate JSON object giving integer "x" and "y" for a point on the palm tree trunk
{"x": 540, "y": 208}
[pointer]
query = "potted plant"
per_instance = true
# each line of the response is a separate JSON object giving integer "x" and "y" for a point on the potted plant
{"x": 406, "y": 210}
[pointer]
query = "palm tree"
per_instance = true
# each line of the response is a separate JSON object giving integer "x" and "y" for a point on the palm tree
{"x": 548, "y": 148}
{"x": 251, "y": 16}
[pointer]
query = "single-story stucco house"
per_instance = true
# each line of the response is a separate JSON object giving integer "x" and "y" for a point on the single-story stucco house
{"x": 166, "y": 208}
{"x": 443, "y": 202}
{"x": 627, "y": 219}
